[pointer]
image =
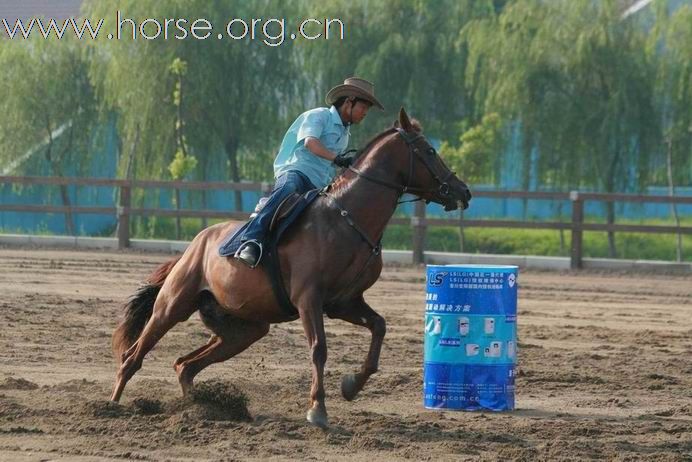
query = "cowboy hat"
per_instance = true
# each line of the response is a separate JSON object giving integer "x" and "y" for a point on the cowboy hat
{"x": 353, "y": 86}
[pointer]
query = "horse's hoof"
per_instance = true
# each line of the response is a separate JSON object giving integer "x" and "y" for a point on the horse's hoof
{"x": 183, "y": 379}
{"x": 348, "y": 387}
{"x": 318, "y": 417}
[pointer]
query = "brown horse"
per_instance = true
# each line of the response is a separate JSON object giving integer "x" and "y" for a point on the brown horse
{"x": 329, "y": 257}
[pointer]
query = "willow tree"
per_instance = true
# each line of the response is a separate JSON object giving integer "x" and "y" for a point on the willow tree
{"x": 234, "y": 89}
{"x": 670, "y": 48}
{"x": 575, "y": 76}
{"x": 134, "y": 80}
{"x": 409, "y": 49}
{"x": 47, "y": 107}
{"x": 183, "y": 163}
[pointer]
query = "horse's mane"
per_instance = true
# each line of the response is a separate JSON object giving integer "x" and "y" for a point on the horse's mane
{"x": 417, "y": 127}
{"x": 362, "y": 153}
{"x": 373, "y": 141}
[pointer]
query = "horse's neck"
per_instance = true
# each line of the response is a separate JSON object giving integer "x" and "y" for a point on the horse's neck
{"x": 371, "y": 205}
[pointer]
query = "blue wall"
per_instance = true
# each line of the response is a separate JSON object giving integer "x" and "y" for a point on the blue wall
{"x": 23, "y": 222}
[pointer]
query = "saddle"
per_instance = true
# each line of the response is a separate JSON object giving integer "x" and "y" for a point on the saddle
{"x": 283, "y": 211}
{"x": 285, "y": 215}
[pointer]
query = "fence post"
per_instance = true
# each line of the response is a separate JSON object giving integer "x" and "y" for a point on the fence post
{"x": 124, "y": 217}
{"x": 419, "y": 229}
{"x": 577, "y": 233}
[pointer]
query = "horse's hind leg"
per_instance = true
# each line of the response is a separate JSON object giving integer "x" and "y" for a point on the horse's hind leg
{"x": 168, "y": 311}
{"x": 194, "y": 353}
{"x": 233, "y": 336}
{"x": 358, "y": 312}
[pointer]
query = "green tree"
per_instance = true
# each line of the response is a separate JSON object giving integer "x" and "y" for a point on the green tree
{"x": 669, "y": 49}
{"x": 409, "y": 49}
{"x": 183, "y": 163}
{"x": 48, "y": 106}
{"x": 479, "y": 151}
{"x": 575, "y": 76}
{"x": 235, "y": 91}
{"x": 477, "y": 156}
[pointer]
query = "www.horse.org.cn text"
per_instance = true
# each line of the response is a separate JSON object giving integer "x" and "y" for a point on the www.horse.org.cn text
{"x": 268, "y": 31}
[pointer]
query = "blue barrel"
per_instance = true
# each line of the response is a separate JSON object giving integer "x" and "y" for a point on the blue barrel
{"x": 470, "y": 337}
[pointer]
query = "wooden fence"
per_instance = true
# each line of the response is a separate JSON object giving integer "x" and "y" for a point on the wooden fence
{"x": 418, "y": 222}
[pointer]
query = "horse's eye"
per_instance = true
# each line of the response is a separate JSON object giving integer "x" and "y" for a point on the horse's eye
{"x": 432, "y": 151}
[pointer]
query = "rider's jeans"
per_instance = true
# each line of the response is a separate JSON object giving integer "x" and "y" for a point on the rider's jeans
{"x": 288, "y": 183}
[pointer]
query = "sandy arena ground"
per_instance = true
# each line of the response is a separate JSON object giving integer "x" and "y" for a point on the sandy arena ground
{"x": 605, "y": 374}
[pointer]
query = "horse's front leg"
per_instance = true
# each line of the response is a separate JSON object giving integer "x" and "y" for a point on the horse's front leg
{"x": 358, "y": 312}
{"x": 310, "y": 310}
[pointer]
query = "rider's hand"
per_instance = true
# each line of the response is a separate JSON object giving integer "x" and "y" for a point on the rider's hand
{"x": 343, "y": 161}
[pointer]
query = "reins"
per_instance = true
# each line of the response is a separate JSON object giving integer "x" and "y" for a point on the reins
{"x": 442, "y": 190}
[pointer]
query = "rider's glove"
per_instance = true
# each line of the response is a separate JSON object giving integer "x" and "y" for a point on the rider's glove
{"x": 343, "y": 161}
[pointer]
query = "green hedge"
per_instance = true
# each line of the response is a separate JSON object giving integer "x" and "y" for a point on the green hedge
{"x": 542, "y": 242}
{"x": 476, "y": 240}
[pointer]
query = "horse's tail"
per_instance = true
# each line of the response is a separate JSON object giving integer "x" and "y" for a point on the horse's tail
{"x": 138, "y": 310}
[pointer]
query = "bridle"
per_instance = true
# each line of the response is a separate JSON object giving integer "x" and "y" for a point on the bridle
{"x": 411, "y": 139}
{"x": 442, "y": 191}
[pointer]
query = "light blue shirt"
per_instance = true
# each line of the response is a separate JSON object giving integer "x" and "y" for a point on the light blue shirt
{"x": 323, "y": 124}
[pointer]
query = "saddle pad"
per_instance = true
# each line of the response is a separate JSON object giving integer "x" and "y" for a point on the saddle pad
{"x": 230, "y": 245}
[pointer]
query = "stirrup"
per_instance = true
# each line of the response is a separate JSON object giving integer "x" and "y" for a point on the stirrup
{"x": 242, "y": 247}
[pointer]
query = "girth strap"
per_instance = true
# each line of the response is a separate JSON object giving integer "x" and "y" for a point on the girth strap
{"x": 273, "y": 265}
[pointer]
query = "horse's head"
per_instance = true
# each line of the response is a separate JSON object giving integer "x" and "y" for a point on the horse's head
{"x": 428, "y": 177}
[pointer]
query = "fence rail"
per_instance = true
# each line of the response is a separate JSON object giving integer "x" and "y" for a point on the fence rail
{"x": 418, "y": 222}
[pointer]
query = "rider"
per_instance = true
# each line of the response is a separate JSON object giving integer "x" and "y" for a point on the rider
{"x": 314, "y": 145}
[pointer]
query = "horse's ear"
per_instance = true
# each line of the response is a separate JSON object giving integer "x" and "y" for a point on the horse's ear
{"x": 395, "y": 124}
{"x": 404, "y": 121}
